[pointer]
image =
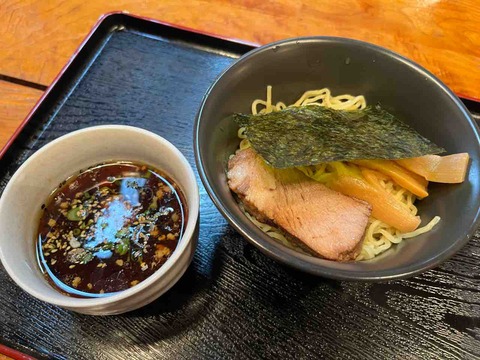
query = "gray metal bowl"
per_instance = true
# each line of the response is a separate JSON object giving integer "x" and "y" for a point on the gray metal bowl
{"x": 345, "y": 66}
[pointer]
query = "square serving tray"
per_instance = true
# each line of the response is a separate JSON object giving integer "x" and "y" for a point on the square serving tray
{"x": 233, "y": 302}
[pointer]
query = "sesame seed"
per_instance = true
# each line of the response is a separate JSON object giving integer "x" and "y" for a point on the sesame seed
{"x": 76, "y": 281}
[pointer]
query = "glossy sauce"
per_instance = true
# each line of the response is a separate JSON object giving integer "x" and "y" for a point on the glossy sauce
{"x": 109, "y": 228}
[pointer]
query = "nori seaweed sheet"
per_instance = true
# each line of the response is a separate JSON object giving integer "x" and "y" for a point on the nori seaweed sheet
{"x": 309, "y": 135}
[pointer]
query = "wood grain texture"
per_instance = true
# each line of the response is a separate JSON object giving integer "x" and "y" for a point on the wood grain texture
{"x": 15, "y": 103}
{"x": 37, "y": 37}
{"x": 233, "y": 302}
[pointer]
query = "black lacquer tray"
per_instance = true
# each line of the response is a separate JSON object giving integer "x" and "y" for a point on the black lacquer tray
{"x": 233, "y": 302}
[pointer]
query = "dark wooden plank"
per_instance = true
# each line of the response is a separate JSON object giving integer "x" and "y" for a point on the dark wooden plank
{"x": 233, "y": 302}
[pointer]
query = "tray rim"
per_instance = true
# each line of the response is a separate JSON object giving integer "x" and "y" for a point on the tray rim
{"x": 14, "y": 354}
{"x": 81, "y": 46}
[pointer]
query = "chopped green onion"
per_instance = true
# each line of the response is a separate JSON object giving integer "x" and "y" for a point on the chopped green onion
{"x": 121, "y": 233}
{"x": 108, "y": 246}
{"x": 122, "y": 247}
{"x": 87, "y": 257}
{"x": 76, "y": 214}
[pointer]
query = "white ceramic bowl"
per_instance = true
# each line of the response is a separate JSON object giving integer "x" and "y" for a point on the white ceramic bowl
{"x": 30, "y": 186}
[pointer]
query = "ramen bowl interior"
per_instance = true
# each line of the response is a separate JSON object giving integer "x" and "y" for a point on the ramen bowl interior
{"x": 31, "y": 185}
{"x": 346, "y": 67}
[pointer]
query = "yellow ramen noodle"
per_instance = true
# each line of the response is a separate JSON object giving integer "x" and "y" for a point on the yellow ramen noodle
{"x": 378, "y": 235}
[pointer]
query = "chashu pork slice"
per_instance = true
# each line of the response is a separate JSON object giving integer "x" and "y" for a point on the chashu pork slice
{"x": 328, "y": 222}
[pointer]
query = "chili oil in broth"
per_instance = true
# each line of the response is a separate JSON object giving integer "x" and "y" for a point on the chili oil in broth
{"x": 109, "y": 228}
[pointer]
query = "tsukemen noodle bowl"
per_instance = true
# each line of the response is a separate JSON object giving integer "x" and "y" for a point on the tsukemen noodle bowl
{"x": 357, "y": 80}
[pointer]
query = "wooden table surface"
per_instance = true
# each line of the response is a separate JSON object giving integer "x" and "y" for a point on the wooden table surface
{"x": 37, "y": 37}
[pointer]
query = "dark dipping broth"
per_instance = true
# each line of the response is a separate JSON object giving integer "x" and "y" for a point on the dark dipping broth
{"x": 109, "y": 228}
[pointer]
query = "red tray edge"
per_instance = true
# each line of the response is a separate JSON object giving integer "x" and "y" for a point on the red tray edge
{"x": 14, "y": 354}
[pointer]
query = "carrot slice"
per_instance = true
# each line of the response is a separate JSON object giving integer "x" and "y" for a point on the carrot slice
{"x": 384, "y": 206}
{"x": 403, "y": 177}
{"x": 450, "y": 169}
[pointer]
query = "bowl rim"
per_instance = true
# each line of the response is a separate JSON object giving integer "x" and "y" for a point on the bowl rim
{"x": 193, "y": 214}
{"x": 294, "y": 259}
